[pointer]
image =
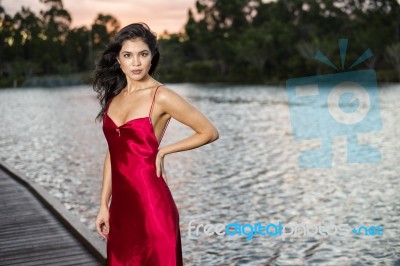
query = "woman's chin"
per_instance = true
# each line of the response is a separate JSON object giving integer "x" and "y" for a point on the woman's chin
{"x": 137, "y": 77}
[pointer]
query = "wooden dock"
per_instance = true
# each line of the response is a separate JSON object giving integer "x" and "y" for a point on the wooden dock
{"x": 36, "y": 229}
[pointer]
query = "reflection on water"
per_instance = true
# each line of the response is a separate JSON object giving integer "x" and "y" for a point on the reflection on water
{"x": 250, "y": 174}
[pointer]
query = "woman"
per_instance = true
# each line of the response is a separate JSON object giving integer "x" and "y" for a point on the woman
{"x": 141, "y": 224}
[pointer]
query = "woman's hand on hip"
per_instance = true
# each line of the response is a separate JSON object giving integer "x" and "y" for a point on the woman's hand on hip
{"x": 160, "y": 165}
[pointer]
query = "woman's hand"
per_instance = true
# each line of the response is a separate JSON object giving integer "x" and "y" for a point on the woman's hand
{"x": 102, "y": 222}
{"x": 160, "y": 165}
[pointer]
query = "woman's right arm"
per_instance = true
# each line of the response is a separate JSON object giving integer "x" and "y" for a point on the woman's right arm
{"x": 102, "y": 220}
{"x": 106, "y": 187}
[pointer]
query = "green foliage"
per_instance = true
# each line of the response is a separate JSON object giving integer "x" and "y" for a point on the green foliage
{"x": 260, "y": 41}
{"x": 44, "y": 44}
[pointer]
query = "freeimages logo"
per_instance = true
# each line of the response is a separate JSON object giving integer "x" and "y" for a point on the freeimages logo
{"x": 325, "y": 106}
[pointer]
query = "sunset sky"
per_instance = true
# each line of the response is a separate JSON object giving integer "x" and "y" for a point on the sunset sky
{"x": 160, "y": 15}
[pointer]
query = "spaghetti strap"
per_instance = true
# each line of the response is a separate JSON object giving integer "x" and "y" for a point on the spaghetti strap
{"x": 162, "y": 135}
{"x": 151, "y": 109}
{"x": 152, "y": 103}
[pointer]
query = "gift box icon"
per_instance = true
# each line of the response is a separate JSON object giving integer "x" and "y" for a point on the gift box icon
{"x": 340, "y": 104}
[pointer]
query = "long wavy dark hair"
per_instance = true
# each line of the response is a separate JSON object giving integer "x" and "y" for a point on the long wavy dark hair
{"x": 109, "y": 79}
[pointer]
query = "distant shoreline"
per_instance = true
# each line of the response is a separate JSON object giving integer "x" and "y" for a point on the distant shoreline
{"x": 85, "y": 78}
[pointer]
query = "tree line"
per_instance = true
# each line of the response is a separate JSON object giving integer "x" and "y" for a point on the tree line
{"x": 260, "y": 41}
{"x": 46, "y": 44}
{"x": 242, "y": 41}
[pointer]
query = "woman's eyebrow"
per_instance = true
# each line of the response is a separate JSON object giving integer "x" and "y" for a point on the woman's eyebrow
{"x": 145, "y": 50}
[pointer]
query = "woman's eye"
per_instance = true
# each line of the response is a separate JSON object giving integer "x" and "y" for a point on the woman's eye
{"x": 126, "y": 55}
{"x": 145, "y": 54}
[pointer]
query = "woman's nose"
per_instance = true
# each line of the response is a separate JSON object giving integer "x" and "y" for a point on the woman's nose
{"x": 136, "y": 61}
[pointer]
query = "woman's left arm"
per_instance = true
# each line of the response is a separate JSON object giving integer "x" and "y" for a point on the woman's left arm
{"x": 182, "y": 111}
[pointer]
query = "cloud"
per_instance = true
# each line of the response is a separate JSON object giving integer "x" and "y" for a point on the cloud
{"x": 160, "y": 15}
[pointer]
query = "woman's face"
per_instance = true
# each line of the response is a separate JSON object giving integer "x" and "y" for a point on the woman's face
{"x": 135, "y": 59}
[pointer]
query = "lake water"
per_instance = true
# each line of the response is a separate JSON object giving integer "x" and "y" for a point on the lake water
{"x": 249, "y": 174}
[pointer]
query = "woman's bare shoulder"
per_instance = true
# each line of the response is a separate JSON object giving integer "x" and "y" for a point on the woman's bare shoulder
{"x": 174, "y": 104}
{"x": 166, "y": 94}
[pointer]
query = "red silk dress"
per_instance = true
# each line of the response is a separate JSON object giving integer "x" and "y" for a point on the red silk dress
{"x": 144, "y": 220}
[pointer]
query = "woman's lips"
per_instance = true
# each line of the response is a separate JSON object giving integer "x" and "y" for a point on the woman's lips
{"x": 136, "y": 71}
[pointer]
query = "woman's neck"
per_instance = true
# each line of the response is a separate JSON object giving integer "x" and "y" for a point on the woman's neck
{"x": 135, "y": 85}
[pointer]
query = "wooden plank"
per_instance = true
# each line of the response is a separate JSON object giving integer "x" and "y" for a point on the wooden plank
{"x": 33, "y": 248}
{"x": 44, "y": 253}
{"x": 33, "y": 223}
{"x": 34, "y": 239}
{"x": 78, "y": 261}
{"x": 24, "y": 228}
{"x": 49, "y": 261}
